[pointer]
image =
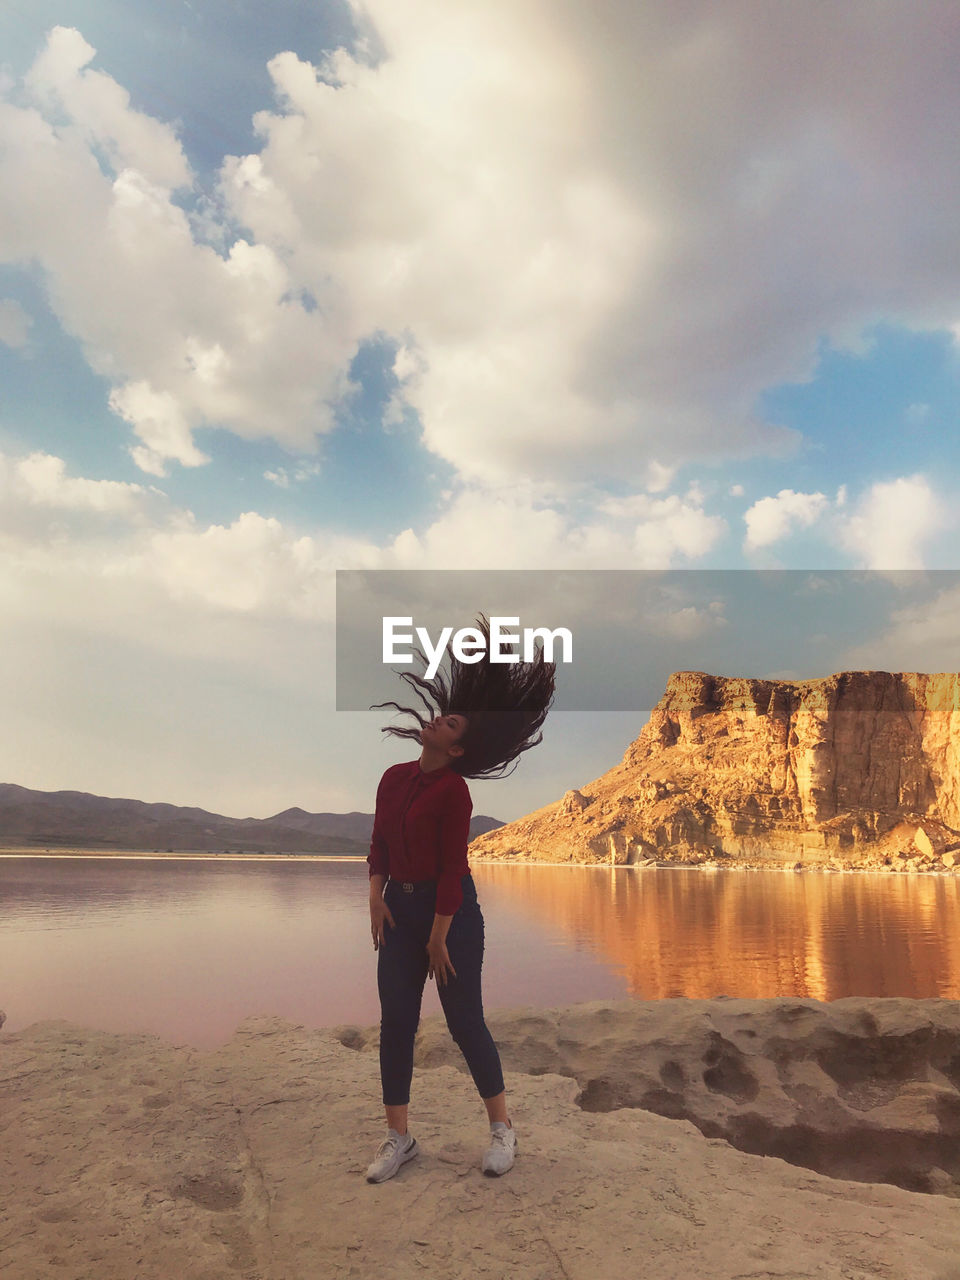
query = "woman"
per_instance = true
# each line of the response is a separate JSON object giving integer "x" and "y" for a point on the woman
{"x": 424, "y": 914}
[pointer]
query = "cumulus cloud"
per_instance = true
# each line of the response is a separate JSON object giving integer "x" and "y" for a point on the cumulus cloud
{"x": 186, "y": 336}
{"x": 571, "y": 221}
{"x": 43, "y": 508}
{"x": 41, "y": 480}
{"x": 886, "y": 528}
{"x": 283, "y": 477}
{"x": 150, "y": 654}
{"x": 160, "y": 423}
{"x": 920, "y": 636}
{"x": 252, "y": 565}
{"x": 578, "y": 225}
{"x": 100, "y": 110}
{"x": 514, "y": 528}
{"x": 891, "y": 523}
{"x": 14, "y": 324}
{"x": 120, "y": 558}
{"x": 688, "y": 622}
{"x": 659, "y": 477}
{"x": 772, "y": 519}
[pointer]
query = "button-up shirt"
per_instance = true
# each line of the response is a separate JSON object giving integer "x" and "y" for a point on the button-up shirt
{"x": 421, "y": 830}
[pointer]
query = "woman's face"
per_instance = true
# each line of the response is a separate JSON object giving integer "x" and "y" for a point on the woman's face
{"x": 444, "y": 733}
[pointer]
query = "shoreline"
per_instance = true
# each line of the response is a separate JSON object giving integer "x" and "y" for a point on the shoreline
{"x": 188, "y": 856}
{"x": 183, "y": 856}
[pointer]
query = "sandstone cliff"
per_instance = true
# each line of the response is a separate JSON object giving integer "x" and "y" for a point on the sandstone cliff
{"x": 862, "y": 767}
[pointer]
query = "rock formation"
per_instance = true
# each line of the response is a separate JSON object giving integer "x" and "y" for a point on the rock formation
{"x": 857, "y": 1088}
{"x": 794, "y": 1140}
{"x": 861, "y": 767}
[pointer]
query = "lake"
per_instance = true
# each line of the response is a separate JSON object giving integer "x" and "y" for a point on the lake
{"x": 187, "y": 948}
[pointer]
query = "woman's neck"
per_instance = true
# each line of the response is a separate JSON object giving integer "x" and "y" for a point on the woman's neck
{"x": 432, "y": 759}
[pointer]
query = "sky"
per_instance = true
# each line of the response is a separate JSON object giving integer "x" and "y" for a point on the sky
{"x": 406, "y": 285}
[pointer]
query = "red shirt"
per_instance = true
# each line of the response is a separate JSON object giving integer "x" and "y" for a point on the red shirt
{"x": 421, "y": 830}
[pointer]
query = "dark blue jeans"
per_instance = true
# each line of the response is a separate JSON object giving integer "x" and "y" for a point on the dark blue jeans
{"x": 402, "y": 965}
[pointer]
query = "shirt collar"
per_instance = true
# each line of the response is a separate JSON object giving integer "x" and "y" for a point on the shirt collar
{"x": 433, "y": 776}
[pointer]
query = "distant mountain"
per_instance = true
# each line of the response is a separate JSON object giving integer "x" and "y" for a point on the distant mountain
{"x": 64, "y": 819}
{"x": 357, "y": 826}
{"x": 348, "y": 826}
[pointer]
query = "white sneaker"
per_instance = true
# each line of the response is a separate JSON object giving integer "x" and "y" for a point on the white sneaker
{"x": 394, "y": 1150}
{"x": 498, "y": 1157}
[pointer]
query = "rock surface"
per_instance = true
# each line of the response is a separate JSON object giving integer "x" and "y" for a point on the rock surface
{"x": 125, "y": 1157}
{"x": 859, "y": 768}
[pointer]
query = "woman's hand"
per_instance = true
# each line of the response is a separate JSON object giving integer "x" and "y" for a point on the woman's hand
{"x": 379, "y": 912}
{"x": 439, "y": 960}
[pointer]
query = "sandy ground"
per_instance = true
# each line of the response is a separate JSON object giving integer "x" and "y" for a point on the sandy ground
{"x": 123, "y": 1156}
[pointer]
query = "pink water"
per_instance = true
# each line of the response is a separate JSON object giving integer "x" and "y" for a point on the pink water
{"x": 187, "y": 949}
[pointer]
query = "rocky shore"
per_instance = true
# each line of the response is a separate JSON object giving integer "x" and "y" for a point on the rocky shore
{"x": 718, "y": 1139}
{"x": 857, "y": 771}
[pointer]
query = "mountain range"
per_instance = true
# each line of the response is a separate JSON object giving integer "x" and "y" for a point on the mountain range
{"x": 75, "y": 819}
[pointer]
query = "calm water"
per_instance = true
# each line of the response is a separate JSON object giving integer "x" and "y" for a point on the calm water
{"x": 187, "y": 949}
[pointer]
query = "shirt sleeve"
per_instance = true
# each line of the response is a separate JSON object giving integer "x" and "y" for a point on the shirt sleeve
{"x": 379, "y": 856}
{"x": 454, "y": 836}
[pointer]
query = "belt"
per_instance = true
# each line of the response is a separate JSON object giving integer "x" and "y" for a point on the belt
{"x": 410, "y": 886}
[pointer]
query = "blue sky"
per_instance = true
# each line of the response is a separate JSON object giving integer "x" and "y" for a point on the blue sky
{"x": 480, "y": 290}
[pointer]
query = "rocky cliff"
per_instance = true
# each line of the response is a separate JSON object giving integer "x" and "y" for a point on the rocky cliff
{"x": 862, "y": 767}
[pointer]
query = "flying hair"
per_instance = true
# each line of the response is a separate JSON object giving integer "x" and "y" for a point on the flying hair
{"x": 505, "y": 705}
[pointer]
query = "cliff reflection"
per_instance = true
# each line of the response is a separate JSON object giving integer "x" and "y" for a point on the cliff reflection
{"x": 689, "y": 932}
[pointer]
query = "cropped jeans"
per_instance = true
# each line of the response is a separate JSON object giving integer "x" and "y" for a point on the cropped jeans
{"x": 402, "y": 966}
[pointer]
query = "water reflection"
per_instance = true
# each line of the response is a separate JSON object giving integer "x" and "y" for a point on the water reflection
{"x": 687, "y": 932}
{"x": 187, "y": 949}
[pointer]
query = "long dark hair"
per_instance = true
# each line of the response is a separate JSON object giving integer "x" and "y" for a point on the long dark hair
{"x": 505, "y": 704}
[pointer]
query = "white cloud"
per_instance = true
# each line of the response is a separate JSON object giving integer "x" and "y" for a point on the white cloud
{"x": 891, "y": 523}
{"x": 675, "y": 528}
{"x": 100, "y": 111}
{"x": 771, "y": 519}
{"x": 579, "y": 226}
{"x": 41, "y": 480}
{"x": 659, "y": 477}
{"x": 574, "y": 229}
{"x": 15, "y": 324}
{"x": 159, "y": 422}
{"x": 688, "y": 622}
{"x": 47, "y": 514}
{"x": 886, "y": 528}
{"x": 252, "y": 566}
{"x": 918, "y": 637}
{"x": 185, "y": 336}
{"x": 517, "y": 528}
{"x": 303, "y": 471}
{"x": 118, "y": 558}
